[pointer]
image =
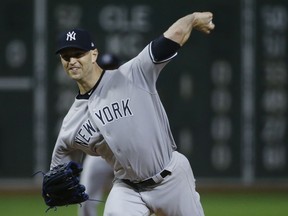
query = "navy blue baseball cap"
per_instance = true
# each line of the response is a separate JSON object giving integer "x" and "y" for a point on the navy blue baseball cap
{"x": 75, "y": 38}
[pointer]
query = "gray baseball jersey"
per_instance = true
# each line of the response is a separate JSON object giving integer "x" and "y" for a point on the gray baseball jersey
{"x": 112, "y": 121}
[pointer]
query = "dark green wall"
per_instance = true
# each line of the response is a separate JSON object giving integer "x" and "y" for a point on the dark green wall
{"x": 201, "y": 88}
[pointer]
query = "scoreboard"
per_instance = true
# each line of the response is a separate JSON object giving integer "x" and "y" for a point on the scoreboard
{"x": 225, "y": 93}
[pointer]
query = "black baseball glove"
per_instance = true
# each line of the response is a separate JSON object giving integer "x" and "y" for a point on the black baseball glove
{"x": 61, "y": 186}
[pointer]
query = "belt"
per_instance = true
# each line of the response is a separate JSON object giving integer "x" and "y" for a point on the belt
{"x": 140, "y": 186}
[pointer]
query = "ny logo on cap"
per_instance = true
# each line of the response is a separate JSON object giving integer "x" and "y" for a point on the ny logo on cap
{"x": 71, "y": 36}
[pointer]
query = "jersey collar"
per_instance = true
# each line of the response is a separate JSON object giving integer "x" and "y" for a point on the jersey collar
{"x": 89, "y": 93}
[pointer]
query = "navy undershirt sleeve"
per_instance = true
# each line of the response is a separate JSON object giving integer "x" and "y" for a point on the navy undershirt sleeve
{"x": 163, "y": 48}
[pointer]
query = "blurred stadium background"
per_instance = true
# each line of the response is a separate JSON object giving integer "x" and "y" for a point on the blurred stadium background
{"x": 226, "y": 93}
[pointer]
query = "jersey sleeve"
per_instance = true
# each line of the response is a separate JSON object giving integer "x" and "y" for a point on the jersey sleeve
{"x": 163, "y": 49}
{"x": 144, "y": 69}
{"x": 63, "y": 153}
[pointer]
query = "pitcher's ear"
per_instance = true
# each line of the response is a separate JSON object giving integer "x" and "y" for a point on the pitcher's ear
{"x": 94, "y": 55}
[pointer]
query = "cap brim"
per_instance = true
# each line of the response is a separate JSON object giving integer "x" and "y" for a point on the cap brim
{"x": 70, "y": 46}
